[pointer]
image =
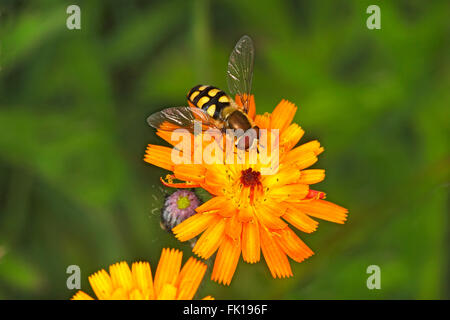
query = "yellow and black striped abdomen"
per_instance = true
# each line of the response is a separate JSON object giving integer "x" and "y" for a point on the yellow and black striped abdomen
{"x": 209, "y": 98}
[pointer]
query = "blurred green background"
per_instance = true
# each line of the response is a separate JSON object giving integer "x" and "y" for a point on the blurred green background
{"x": 75, "y": 190}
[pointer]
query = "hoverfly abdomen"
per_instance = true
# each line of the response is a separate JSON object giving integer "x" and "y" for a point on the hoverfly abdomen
{"x": 210, "y": 99}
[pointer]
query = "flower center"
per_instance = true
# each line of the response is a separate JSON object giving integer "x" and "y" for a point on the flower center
{"x": 250, "y": 178}
{"x": 183, "y": 202}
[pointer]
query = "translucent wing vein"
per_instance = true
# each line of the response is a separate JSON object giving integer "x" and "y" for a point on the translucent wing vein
{"x": 240, "y": 70}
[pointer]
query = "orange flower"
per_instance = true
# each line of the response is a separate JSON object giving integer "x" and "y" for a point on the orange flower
{"x": 137, "y": 284}
{"x": 251, "y": 212}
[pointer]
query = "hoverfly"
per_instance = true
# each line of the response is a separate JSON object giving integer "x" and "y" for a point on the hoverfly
{"x": 213, "y": 107}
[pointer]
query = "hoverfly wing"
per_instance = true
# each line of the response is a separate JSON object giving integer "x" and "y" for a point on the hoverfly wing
{"x": 180, "y": 117}
{"x": 240, "y": 70}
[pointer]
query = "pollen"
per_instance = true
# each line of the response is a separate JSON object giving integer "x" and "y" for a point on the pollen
{"x": 250, "y": 178}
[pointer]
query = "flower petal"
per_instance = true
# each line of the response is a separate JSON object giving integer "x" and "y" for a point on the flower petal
{"x": 226, "y": 261}
{"x": 263, "y": 121}
{"x": 275, "y": 257}
{"x": 291, "y": 192}
{"x": 120, "y": 294}
{"x": 194, "y": 225}
{"x": 159, "y": 156}
{"x": 298, "y": 153}
{"x": 101, "y": 284}
{"x": 311, "y": 176}
{"x": 210, "y": 240}
{"x": 190, "y": 172}
{"x": 324, "y": 210}
{"x": 287, "y": 175}
{"x": 121, "y": 276}
{"x": 300, "y": 220}
{"x": 167, "y": 270}
{"x": 251, "y": 246}
{"x": 142, "y": 276}
{"x": 190, "y": 278}
{"x": 215, "y": 203}
{"x": 283, "y": 115}
{"x": 136, "y": 294}
{"x": 291, "y": 136}
{"x": 292, "y": 245}
{"x": 80, "y": 295}
{"x": 268, "y": 217}
{"x": 246, "y": 214}
{"x": 233, "y": 228}
{"x": 167, "y": 292}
